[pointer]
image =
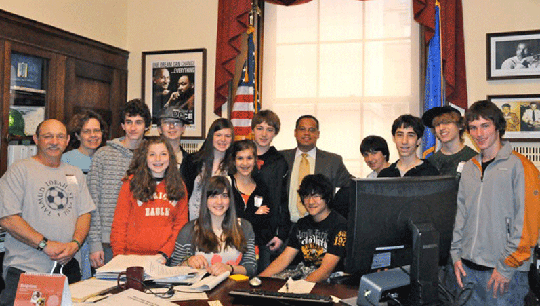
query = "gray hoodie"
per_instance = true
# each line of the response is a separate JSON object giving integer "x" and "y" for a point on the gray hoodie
{"x": 109, "y": 166}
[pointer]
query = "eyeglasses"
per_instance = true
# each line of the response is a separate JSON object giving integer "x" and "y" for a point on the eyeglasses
{"x": 89, "y": 131}
{"x": 172, "y": 123}
{"x": 316, "y": 197}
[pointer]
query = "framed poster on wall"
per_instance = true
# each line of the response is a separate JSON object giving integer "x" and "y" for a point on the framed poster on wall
{"x": 513, "y": 55}
{"x": 177, "y": 78}
{"x": 522, "y": 115}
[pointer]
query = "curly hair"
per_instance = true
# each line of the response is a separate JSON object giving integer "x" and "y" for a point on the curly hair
{"x": 205, "y": 155}
{"x": 143, "y": 185}
{"x": 136, "y": 107}
{"x": 77, "y": 123}
{"x": 203, "y": 236}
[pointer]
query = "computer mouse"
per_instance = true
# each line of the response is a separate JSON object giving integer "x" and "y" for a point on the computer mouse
{"x": 255, "y": 282}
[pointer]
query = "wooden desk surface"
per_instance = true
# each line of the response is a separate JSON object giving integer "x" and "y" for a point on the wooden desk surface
{"x": 221, "y": 292}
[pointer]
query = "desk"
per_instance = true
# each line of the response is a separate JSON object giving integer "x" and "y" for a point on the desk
{"x": 221, "y": 292}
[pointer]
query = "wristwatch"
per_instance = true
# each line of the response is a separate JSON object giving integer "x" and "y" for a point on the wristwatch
{"x": 42, "y": 244}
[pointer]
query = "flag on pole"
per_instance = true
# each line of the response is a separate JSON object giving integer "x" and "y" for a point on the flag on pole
{"x": 245, "y": 101}
{"x": 434, "y": 91}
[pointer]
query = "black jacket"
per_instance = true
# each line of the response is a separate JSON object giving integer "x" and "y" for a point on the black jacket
{"x": 189, "y": 170}
{"x": 260, "y": 223}
{"x": 272, "y": 174}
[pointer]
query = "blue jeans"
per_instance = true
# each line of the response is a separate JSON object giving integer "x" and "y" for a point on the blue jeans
{"x": 515, "y": 296}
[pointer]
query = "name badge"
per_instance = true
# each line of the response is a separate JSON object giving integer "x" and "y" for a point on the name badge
{"x": 71, "y": 179}
{"x": 460, "y": 167}
{"x": 258, "y": 201}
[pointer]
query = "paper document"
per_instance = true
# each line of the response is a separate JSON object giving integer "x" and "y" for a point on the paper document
{"x": 205, "y": 284}
{"x": 299, "y": 286}
{"x": 182, "y": 296}
{"x": 133, "y": 297}
{"x": 182, "y": 279}
{"x": 152, "y": 268}
{"x": 85, "y": 289}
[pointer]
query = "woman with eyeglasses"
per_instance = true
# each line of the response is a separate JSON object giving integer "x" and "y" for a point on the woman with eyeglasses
{"x": 88, "y": 132}
{"x": 217, "y": 240}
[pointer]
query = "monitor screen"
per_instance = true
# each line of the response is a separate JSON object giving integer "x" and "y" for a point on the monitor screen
{"x": 378, "y": 233}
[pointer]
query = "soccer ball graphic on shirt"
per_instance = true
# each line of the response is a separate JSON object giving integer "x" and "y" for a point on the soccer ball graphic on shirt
{"x": 56, "y": 198}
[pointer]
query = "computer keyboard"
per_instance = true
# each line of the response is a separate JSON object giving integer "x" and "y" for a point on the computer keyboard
{"x": 282, "y": 296}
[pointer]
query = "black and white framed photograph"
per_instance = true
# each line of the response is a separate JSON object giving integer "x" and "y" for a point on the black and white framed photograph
{"x": 513, "y": 55}
{"x": 522, "y": 115}
{"x": 177, "y": 78}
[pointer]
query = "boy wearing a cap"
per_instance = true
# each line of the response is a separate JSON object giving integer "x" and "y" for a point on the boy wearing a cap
{"x": 171, "y": 125}
{"x": 449, "y": 128}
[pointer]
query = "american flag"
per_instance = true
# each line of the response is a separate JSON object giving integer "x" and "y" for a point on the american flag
{"x": 245, "y": 105}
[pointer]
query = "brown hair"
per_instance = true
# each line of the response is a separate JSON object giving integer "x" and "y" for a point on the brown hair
{"x": 205, "y": 155}
{"x": 454, "y": 117}
{"x": 488, "y": 111}
{"x": 238, "y": 146}
{"x": 143, "y": 185}
{"x": 203, "y": 237}
{"x": 267, "y": 116}
{"x": 77, "y": 123}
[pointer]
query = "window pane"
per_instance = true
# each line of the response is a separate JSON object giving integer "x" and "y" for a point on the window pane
{"x": 341, "y": 70}
{"x": 297, "y": 23}
{"x": 388, "y": 18}
{"x": 388, "y": 68}
{"x": 348, "y": 63}
{"x": 377, "y": 119}
{"x": 296, "y": 74}
{"x": 341, "y": 20}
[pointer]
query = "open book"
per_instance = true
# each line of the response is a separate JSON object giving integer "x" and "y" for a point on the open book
{"x": 153, "y": 270}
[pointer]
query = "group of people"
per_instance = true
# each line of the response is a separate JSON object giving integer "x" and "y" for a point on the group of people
{"x": 246, "y": 208}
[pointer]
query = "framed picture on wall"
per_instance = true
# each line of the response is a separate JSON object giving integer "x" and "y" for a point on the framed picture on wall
{"x": 177, "y": 78}
{"x": 522, "y": 114}
{"x": 513, "y": 55}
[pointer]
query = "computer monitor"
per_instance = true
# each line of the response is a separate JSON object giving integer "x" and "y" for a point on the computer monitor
{"x": 381, "y": 211}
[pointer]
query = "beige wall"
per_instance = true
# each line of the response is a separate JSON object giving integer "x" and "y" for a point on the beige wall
{"x": 101, "y": 20}
{"x": 172, "y": 25}
{"x": 483, "y": 16}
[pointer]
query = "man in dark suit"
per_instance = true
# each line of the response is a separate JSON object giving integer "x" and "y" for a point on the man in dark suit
{"x": 306, "y": 158}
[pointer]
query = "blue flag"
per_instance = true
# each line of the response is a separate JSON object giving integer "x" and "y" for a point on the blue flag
{"x": 434, "y": 96}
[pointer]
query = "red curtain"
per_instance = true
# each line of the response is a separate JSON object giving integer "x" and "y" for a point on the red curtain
{"x": 452, "y": 44}
{"x": 233, "y": 20}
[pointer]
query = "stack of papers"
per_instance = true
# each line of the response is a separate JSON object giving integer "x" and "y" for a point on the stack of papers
{"x": 153, "y": 270}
